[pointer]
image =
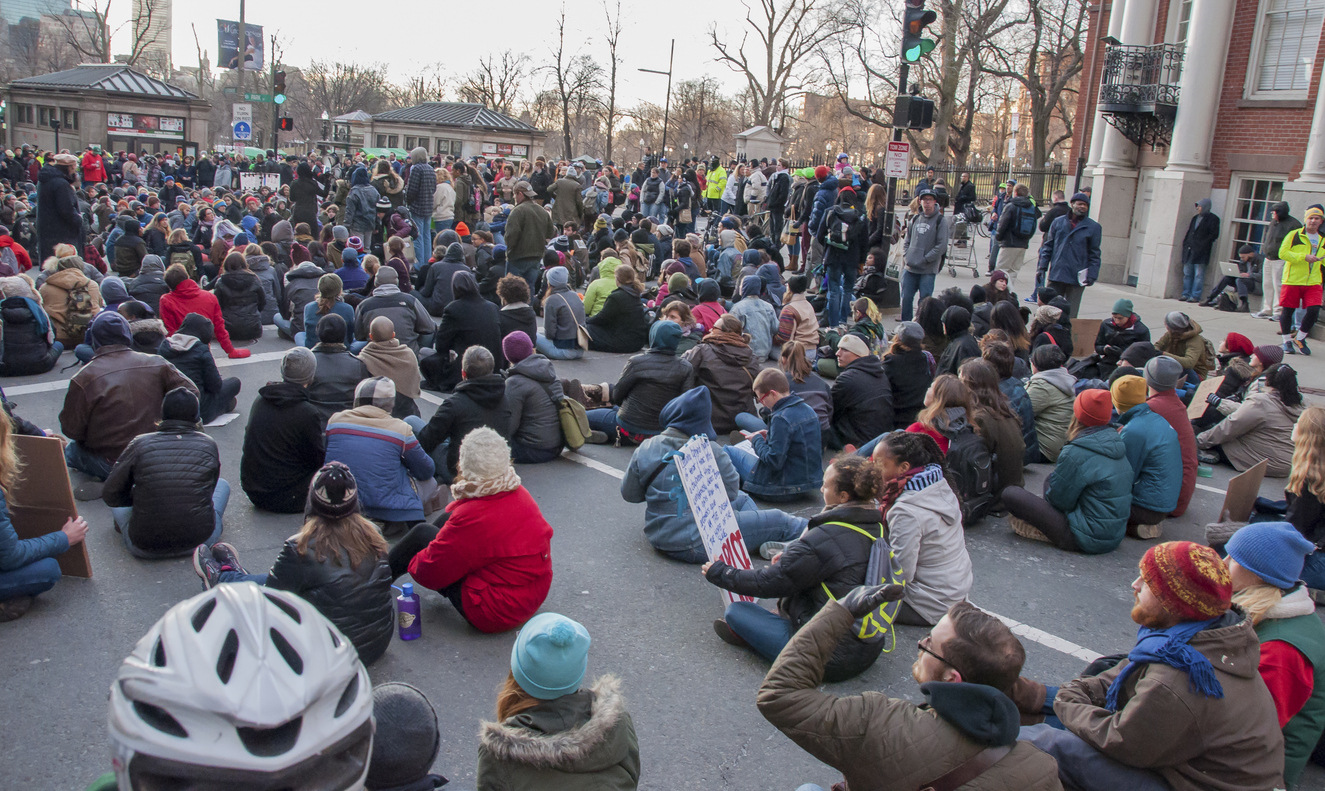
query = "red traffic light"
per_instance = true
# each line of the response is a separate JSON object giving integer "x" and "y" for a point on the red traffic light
{"x": 287, "y": 124}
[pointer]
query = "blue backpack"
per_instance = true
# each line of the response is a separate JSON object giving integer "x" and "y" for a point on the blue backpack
{"x": 1026, "y": 222}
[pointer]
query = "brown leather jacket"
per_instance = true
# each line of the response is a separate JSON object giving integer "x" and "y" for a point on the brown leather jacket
{"x": 116, "y": 397}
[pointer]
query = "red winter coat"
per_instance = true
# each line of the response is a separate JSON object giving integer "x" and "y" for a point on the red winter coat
{"x": 499, "y": 548}
{"x": 189, "y": 298}
{"x": 24, "y": 260}
{"x": 94, "y": 169}
{"x": 1170, "y": 407}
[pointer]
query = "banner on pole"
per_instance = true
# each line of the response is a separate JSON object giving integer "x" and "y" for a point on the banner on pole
{"x": 707, "y": 499}
{"x": 228, "y": 45}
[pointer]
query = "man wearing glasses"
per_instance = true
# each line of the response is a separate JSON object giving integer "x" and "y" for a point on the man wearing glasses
{"x": 966, "y": 668}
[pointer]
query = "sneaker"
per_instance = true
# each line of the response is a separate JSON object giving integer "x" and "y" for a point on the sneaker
{"x": 769, "y": 549}
{"x": 1031, "y": 301}
{"x": 209, "y": 571}
{"x": 728, "y": 636}
{"x": 1302, "y": 347}
{"x": 15, "y": 608}
{"x": 1290, "y": 347}
{"x": 597, "y": 438}
{"x": 225, "y": 555}
{"x": 1207, "y": 457}
{"x": 1261, "y": 314}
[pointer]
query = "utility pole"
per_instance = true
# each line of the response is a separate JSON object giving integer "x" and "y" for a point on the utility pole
{"x": 889, "y": 214}
{"x": 240, "y": 46}
{"x": 275, "y": 108}
{"x": 667, "y": 108}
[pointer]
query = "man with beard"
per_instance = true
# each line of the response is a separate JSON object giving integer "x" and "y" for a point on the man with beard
{"x": 967, "y": 728}
{"x": 1187, "y": 708}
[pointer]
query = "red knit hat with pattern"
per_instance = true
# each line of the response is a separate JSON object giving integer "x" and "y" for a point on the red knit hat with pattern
{"x": 1190, "y": 579}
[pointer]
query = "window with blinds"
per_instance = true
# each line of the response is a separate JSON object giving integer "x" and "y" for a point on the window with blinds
{"x": 1285, "y": 55}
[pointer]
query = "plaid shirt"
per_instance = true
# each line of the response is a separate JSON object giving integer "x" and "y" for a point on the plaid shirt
{"x": 419, "y": 191}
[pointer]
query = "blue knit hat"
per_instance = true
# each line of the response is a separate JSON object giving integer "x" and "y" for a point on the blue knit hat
{"x": 1273, "y": 551}
{"x": 550, "y": 656}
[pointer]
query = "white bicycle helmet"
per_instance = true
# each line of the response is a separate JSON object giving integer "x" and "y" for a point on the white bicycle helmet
{"x": 242, "y": 687}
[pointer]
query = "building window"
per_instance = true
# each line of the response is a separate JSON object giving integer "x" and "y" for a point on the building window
{"x": 1181, "y": 12}
{"x": 69, "y": 119}
{"x": 381, "y": 141}
{"x": 392, "y": 141}
{"x": 412, "y": 143}
{"x": 25, "y": 114}
{"x": 1284, "y": 50}
{"x": 447, "y": 146}
{"x": 1251, "y": 214}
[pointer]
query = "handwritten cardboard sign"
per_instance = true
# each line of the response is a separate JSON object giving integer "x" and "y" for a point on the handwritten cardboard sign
{"x": 707, "y": 498}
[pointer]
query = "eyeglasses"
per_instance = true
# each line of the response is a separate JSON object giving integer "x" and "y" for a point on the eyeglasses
{"x": 922, "y": 644}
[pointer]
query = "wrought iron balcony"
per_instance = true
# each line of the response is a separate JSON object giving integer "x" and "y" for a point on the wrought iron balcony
{"x": 1139, "y": 91}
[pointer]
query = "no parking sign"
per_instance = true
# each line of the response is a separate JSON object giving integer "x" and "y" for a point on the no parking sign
{"x": 713, "y": 512}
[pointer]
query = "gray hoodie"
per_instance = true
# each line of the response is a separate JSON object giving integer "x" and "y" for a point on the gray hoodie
{"x": 926, "y": 242}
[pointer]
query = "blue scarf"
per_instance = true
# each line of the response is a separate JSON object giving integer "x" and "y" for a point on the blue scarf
{"x": 1170, "y": 647}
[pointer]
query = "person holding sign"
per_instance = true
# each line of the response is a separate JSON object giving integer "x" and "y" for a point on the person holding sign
{"x": 827, "y": 562}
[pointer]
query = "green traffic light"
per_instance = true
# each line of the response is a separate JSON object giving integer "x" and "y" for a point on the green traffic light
{"x": 280, "y": 97}
{"x": 917, "y": 50}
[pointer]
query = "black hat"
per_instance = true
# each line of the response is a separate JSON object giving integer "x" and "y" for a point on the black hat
{"x": 407, "y": 739}
{"x": 333, "y": 494}
{"x": 181, "y": 404}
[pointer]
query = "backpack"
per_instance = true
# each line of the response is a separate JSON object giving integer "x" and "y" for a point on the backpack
{"x": 79, "y": 309}
{"x": 973, "y": 214}
{"x": 838, "y": 231}
{"x": 574, "y": 422}
{"x": 185, "y": 259}
{"x": 875, "y": 627}
{"x": 7, "y": 258}
{"x": 970, "y": 470}
{"x": 1026, "y": 222}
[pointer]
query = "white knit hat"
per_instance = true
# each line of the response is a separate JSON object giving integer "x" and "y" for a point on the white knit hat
{"x": 484, "y": 455}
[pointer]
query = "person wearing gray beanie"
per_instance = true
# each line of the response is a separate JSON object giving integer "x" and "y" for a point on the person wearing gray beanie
{"x": 1183, "y": 341}
{"x": 406, "y": 741}
{"x": 1163, "y": 374}
{"x": 563, "y": 319}
{"x": 284, "y": 442}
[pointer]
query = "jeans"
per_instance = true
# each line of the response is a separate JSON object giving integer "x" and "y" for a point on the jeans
{"x": 551, "y": 350}
{"x": 441, "y": 225}
{"x": 838, "y": 309}
{"x": 746, "y": 421}
{"x": 742, "y": 458}
{"x": 770, "y": 524}
{"x": 441, "y": 470}
{"x": 766, "y": 632}
{"x": 79, "y": 458}
{"x": 1193, "y": 279}
{"x": 526, "y": 268}
{"x": 1313, "y": 571}
{"x": 656, "y": 211}
{"x": 525, "y": 454}
{"x": 867, "y": 450}
{"x": 220, "y": 497}
{"x": 913, "y": 284}
{"x": 423, "y": 241}
{"x": 37, "y": 577}
{"x": 282, "y": 326}
{"x": 1082, "y": 766}
{"x": 84, "y": 352}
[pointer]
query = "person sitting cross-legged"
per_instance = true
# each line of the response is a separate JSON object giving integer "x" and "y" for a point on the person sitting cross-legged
{"x": 1187, "y": 709}
{"x": 165, "y": 491}
{"x": 479, "y": 400}
{"x": 189, "y": 350}
{"x": 784, "y": 460}
{"x": 532, "y": 392}
{"x": 966, "y": 667}
{"x": 491, "y": 553}
{"x": 284, "y": 445}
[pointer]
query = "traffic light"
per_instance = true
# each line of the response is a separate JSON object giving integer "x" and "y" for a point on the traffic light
{"x": 914, "y": 21}
{"x": 913, "y": 112}
{"x": 287, "y": 124}
{"x": 278, "y": 87}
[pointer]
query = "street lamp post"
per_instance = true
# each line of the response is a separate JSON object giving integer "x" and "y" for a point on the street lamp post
{"x": 326, "y": 127}
{"x": 667, "y": 108}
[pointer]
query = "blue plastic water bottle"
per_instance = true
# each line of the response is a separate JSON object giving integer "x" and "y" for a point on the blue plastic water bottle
{"x": 407, "y": 613}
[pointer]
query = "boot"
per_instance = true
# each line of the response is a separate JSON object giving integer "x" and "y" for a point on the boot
{"x": 793, "y": 262}
{"x": 1244, "y": 306}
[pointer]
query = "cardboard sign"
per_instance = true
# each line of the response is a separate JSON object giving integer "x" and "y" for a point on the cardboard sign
{"x": 252, "y": 181}
{"x": 707, "y": 499}
{"x": 42, "y": 500}
{"x": 1243, "y": 490}
{"x": 1197, "y": 407}
{"x": 1084, "y": 332}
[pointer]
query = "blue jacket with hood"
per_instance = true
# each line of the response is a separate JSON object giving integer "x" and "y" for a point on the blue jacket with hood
{"x": 1156, "y": 459}
{"x": 669, "y": 524}
{"x": 791, "y": 456}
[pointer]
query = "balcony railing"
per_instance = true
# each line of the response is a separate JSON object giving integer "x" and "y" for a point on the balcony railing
{"x": 1139, "y": 91}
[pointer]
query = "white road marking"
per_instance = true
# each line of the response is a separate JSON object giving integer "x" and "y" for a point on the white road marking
{"x": 1018, "y": 628}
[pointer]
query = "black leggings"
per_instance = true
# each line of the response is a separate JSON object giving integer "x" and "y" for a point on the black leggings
{"x": 413, "y": 542}
{"x": 1308, "y": 320}
{"x": 1041, "y": 515}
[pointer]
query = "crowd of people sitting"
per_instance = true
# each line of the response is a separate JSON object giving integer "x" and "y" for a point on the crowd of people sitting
{"x": 931, "y": 424}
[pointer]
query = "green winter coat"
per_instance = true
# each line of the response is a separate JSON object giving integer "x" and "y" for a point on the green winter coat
{"x": 1092, "y": 485}
{"x": 583, "y": 741}
{"x": 597, "y": 292}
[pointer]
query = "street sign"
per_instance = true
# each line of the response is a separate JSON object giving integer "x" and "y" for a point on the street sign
{"x": 242, "y": 112}
{"x": 243, "y": 131}
{"x": 257, "y": 97}
{"x": 1012, "y": 148}
{"x": 898, "y": 162}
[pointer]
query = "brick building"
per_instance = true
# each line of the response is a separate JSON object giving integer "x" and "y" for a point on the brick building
{"x": 1196, "y": 99}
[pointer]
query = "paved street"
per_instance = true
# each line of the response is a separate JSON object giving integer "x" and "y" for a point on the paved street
{"x": 691, "y": 696}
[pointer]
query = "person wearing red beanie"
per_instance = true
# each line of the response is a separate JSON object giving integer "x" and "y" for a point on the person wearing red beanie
{"x": 1088, "y": 496}
{"x": 821, "y": 172}
{"x": 1187, "y": 704}
{"x": 1237, "y": 343}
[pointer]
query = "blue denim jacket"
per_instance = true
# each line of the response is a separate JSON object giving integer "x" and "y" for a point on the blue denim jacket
{"x": 790, "y": 457}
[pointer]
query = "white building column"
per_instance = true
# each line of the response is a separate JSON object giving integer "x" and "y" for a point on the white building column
{"x": 1187, "y": 177}
{"x": 1101, "y": 127}
{"x": 1309, "y": 187}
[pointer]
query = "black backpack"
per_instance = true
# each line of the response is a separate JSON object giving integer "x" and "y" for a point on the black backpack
{"x": 1025, "y": 222}
{"x": 970, "y": 470}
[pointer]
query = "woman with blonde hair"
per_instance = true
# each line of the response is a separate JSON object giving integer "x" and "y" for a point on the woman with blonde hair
{"x": 330, "y": 299}
{"x": 550, "y": 732}
{"x": 443, "y": 203}
{"x": 806, "y": 383}
{"x": 337, "y": 561}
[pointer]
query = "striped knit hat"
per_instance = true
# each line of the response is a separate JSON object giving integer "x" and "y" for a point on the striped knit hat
{"x": 1190, "y": 579}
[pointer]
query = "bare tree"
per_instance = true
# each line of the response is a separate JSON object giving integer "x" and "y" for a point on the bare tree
{"x": 343, "y": 87}
{"x": 496, "y": 82}
{"x": 787, "y": 36}
{"x": 87, "y": 30}
{"x": 1046, "y": 57}
{"x": 576, "y": 81}
{"x": 701, "y": 116}
{"x": 612, "y": 36}
{"x": 428, "y": 85}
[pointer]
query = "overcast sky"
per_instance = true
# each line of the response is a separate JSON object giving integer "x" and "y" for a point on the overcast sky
{"x": 412, "y": 36}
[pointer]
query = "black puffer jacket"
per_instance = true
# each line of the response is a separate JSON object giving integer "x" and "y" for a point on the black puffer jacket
{"x": 476, "y": 402}
{"x": 301, "y": 289}
{"x": 908, "y": 376}
{"x": 283, "y": 447}
{"x": 168, "y": 477}
{"x": 1118, "y": 338}
{"x": 862, "y": 401}
{"x": 833, "y": 555}
{"x": 242, "y": 300}
{"x": 469, "y": 320}
{"x": 27, "y": 348}
{"x": 435, "y": 290}
{"x": 357, "y": 601}
{"x": 532, "y": 393}
{"x": 647, "y": 383}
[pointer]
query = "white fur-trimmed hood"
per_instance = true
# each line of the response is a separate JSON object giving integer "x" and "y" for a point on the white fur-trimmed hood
{"x": 566, "y": 749}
